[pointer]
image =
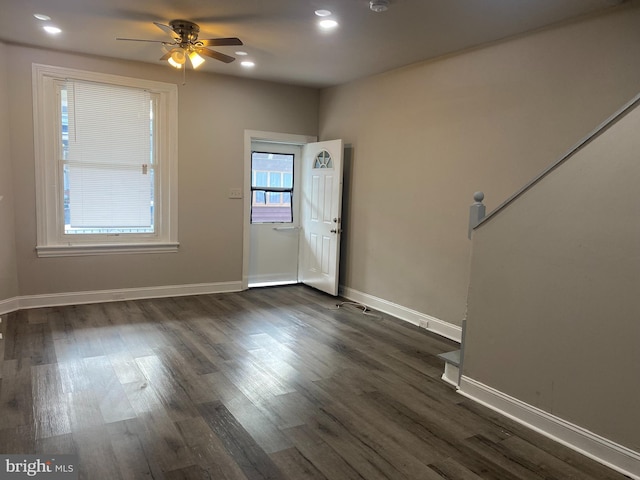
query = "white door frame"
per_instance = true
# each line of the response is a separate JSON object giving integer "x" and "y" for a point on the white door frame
{"x": 249, "y": 137}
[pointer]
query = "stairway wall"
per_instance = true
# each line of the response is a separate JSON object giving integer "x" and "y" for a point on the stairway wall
{"x": 553, "y": 306}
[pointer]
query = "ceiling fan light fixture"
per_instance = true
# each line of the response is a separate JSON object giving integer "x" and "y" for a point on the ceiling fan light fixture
{"x": 196, "y": 60}
{"x": 185, "y": 48}
{"x": 178, "y": 56}
{"x": 173, "y": 63}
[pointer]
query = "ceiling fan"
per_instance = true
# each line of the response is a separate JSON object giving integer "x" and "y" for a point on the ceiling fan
{"x": 186, "y": 45}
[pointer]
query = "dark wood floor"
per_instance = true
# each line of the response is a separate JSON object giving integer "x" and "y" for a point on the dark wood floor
{"x": 265, "y": 384}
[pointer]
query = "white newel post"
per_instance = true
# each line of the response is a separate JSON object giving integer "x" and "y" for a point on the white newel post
{"x": 477, "y": 211}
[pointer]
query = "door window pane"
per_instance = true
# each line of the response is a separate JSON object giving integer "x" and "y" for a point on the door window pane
{"x": 272, "y": 187}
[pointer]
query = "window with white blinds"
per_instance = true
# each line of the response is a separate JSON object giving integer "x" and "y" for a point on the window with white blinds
{"x": 106, "y": 163}
{"x": 109, "y": 162}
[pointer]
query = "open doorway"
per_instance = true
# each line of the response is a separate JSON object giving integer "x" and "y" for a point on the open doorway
{"x": 292, "y": 210}
{"x": 274, "y": 220}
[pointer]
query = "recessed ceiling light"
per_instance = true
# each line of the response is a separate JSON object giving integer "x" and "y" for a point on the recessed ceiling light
{"x": 328, "y": 24}
{"x": 247, "y": 64}
{"x": 51, "y": 29}
{"x": 42, "y": 16}
{"x": 323, "y": 13}
{"x": 241, "y": 53}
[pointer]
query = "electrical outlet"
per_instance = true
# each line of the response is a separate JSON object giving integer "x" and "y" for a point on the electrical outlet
{"x": 235, "y": 193}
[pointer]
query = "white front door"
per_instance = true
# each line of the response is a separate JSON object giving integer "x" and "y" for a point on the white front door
{"x": 321, "y": 206}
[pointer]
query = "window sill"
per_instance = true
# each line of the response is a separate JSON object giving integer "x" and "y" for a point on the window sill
{"x": 111, "y": 249}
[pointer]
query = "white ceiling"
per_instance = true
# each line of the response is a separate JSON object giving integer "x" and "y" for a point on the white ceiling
{"x": 281, "y": 36}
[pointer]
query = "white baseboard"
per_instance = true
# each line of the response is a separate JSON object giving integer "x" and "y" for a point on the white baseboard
{"x": 9, "y": 305}
{"x": 448, "y": 330}
{"x": 451, "y": 374}
{"x": 611, "y": 454}
{"x": 99, "y": 296}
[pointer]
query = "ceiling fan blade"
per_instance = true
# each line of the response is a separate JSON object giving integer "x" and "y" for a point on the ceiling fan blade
{"x": 167, "y": 29}
{"x": 217, "y": 55}
{"x": 140, "y": 40}
{"x": 237, "y": 18}
{"x": 219, "y": 42}
{"x": 166, "y": 56}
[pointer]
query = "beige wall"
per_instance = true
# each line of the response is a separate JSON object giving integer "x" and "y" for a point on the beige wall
{"x": 553, "y": 306}
{"x": 426, "y": 137}
{"x": 8, "y": 269}
{"x": 214, "y": 111}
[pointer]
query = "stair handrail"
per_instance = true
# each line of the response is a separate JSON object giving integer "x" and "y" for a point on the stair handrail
{"x": 608, "y": 123}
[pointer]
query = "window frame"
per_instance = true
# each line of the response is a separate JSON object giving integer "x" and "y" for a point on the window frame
{"x": 51, "y": 239}
{"x": 269, "y": 190}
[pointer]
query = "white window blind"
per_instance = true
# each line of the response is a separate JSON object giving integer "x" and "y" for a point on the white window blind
{"x": 109, "y": 166}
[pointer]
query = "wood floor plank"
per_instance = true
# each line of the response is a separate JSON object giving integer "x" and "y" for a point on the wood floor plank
{"x": 59, "y": 445}
{"x": 287, "y": 410}
{"x": 86, "y": 333}
{"x": 50, "y": 409}
{"x": 258, "y": 425}
{"x": 125, "y": 367}
{"x": 358, "y": 454}
{"x": 98, "y": 458}
{"x": 127, "y": 448}
{"x": 273, "y": 383}
{"x": 162, "y": 443}
{"x": 74, "y": 376}
{"x": 295, "y": 465}
{"x": 547, "y": 465}
{"x": 251, "y": 459}
{"x": 396, "y": 453}
{"x": 24, "y": 340}
{"x": 590, "y": 468}
{"x": 17, "y": 440}
{"x": 83, "y": 408}
{"x": 321, "y": 455}
{"x": 499, "y": 459}
{"x": 431, "y": 407}
{"x": 256, "y": 382}
{"x": 162, "y": 379}
{"x": 142, "y": 397}
{"x": 16, "y": 397}
{"x": 188, "y": 373}
{"x": 452, "y": 470}
{"x": 208, "y": 450}
{"x": 113, "y": 402}
{"x": 193, "y": 472}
